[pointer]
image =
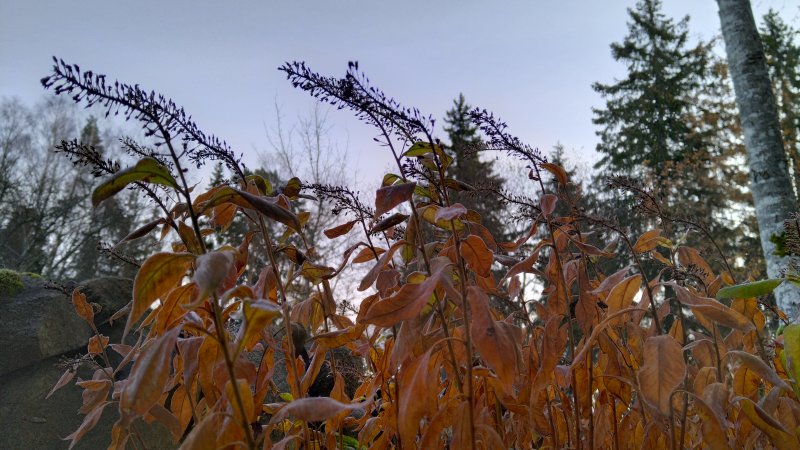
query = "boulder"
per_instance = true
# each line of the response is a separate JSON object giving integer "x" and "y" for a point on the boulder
{"x": 39, "y": 330}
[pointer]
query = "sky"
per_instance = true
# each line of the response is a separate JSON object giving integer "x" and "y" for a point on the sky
{"x": 530, "y": 62}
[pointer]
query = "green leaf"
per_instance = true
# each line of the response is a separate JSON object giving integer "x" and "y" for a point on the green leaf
{"x": 419, "y": 149}
{"x": 791, "y": 351}
{"x": 749, "y": 290}
{"x": 147, "y": 170}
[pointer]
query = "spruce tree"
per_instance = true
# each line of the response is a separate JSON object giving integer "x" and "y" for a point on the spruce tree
{"x": 783, "y": 61}
{"x": 468, "y": 167}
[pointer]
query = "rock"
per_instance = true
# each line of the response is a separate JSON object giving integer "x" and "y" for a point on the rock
{"x": 39, "y": 328}
{"x": 38, "y": 323}
{"x": 32, "y": 422}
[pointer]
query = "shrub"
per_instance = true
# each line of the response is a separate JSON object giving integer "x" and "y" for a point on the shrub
{"x": 645, "y": 356}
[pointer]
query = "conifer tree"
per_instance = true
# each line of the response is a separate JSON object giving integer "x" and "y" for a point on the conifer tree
{"x": 468, "y": 167}
{"x": 783, "y": 61}
{"x": 662, "y": 127}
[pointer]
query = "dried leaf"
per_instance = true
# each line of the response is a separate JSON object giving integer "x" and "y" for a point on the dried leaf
{"x": 149, "y": 375}
{"x": 548, "y": 204}
{"x": 314, "y": 409}
{"x": 82, "y": 307}
{"x": 387, "y": 197}
{"x": 558, "y": 171}
{"x": 766, "y": 423}
{"x": 714, "y": 310}
{"x": 758, "y": 366}
{"x": 372, "y": 275}
{"x": 496, "y": 341}
{"x": 88, "y": 423}
{"x": 158, "y": 275}
{"x": 450, "y": 212}
{"x": 407, "y": 303}
{"x": 662, "y": 372}
{"x": 211, "y": 270}
{"x": 66, "y": 377}
{"x": 340, "y": 230}
{"x": 477, "y": 255}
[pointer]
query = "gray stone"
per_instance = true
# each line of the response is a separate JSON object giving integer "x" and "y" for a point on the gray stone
{"x": 38, "y": 323}
{"x": 39, "y": 329}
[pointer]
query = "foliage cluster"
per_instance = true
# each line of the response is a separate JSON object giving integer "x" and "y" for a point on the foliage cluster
{"x": 678, "y": 359}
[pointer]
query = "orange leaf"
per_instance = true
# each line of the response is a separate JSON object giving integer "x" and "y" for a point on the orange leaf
{"x": 621, "y": 296}
{"x": 477, "y": 255}
{"x": 417, "y": 395}
{"x": 82, "y": 307}
{"x": 247, "y": 400}
{"x": 203, "y": 435}
{"x": 97, "y": 344}
{"x": 713, "y": 309}
{"x": 408, "y": 301}
{"x": 663, "y": 370}
{"x": 257, "y": 315}
{"x": 366, "y": 254}
{"x": 387, "y": 197}
{"x": 339, "y": 338}
{"x": 558, "y": 171}
{"x": 372, "y": 275}
{"x": 339, "y": 230}
{"x": 148, "y": 376}
{"x": 314, "y": 409}
{"x": 650, "y": 240}
{"x": 158, "y": 275}
{"x": 496, "y": 341}
{"x": 758, "y": 366}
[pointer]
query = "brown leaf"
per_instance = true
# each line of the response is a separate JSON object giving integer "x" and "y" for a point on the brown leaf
{"x": 713, "y": 309}
{"x": 388, "y": 222}
{"x": 204, "y": 434}
{"x": 407, "y": 302}
{"x": 314, "y": 409}
{"x": 650, "y": 240}
{"x": 477, "y": 255}
{"x": 82, "y": 307}
{"x": 97, "y": 344}
{"x": 663, "y": 370}
{"x": 417, "y": 395}
{"x": 558, "y": 171}
{"x": 158, "y": 275}
{"x": 766, "y": 423}
{"x": 711, "y": 429}
{"x": 372, "y": 275}
{"x": 88, "y": 423}
{"x": 496, "y": 341}
{"x": 366, "y": 254}
{"x": 211, "y": 270}
{"x": 340, "y": 230}
{"x": 387, "y": 197}
{"x": 548, "y": 204}
{"x": 622, "y": 295}
{"x": 148, "y": 376}
{"x": 66, "y": 377}
{"x": 450, "y": 212}
{"x": 758, "y": 366}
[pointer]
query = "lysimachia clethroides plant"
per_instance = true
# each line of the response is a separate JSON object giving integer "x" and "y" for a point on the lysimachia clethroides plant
{"x": 544, "y": 341}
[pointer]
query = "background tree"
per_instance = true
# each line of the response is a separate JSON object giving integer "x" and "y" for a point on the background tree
{"x": 468, "y": 167}
{"x": 783, "y": 62}
{"x": 770, "y": 181}
{"x": 47, "y": 224}
{"x": 663, "y": 132}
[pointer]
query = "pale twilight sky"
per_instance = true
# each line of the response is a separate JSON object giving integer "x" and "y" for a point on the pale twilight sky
{"x": 531, "y": 62}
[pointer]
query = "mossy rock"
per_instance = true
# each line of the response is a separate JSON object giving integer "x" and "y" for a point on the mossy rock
{"x": 10, "y": 283}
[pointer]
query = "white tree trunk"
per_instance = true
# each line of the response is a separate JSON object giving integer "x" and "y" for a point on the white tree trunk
{"x": 770, "y": 181}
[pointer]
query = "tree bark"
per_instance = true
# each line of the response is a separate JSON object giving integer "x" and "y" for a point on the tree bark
{"x": 770, "y": 182}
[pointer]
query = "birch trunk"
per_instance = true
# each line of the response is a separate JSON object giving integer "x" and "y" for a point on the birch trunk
{"x": 770, "y": 181}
